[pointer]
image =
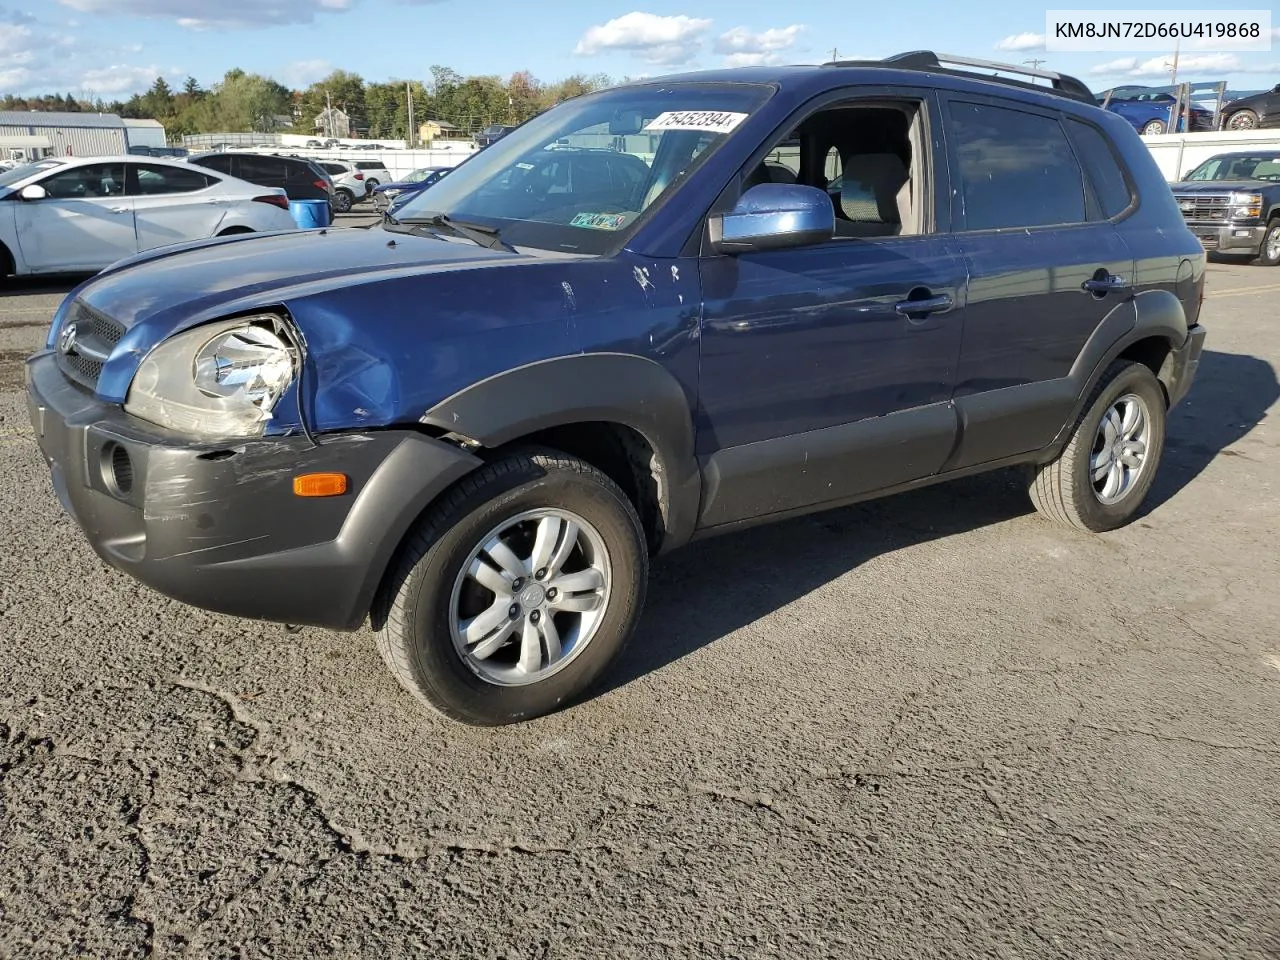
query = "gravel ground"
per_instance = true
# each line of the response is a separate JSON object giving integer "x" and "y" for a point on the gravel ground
{"x": 932, "y": 726}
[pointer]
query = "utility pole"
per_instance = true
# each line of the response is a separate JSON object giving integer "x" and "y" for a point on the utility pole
{"x": 413, "y": 131}
{"x": 1173, "y": 67}
{"x": 835, "y": 54}
{"x": 328, "y": 115}
{"x": 1033, "y": 64}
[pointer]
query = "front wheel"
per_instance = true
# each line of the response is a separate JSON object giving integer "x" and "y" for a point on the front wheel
{"x": 516, "y": 591}
{"x": 1269, "y": 254}
{"x": 1152, "y": 127}
{"x": 1103, "y": 474}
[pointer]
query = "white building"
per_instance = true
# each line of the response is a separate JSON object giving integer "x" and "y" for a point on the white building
{"x": 62, "y": 134}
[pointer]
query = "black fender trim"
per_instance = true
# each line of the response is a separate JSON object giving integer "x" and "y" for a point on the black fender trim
{"x": 616, "y": 388}
{"x": 1156, "y": 314}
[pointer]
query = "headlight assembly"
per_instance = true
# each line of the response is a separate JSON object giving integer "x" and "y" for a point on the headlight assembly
{"x": 1245, "y": 206}
{"x": 217, "y": 380}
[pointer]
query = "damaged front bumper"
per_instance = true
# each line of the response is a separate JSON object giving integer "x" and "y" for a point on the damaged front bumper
{"x": 217, "y": 525}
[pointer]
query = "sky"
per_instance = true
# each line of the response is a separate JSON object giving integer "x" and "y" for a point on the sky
{"x": 113, "y": 48}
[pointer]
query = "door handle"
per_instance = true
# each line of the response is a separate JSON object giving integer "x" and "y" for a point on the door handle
{"x": 1103, "y": 283}
{"x": 915, "y": 309}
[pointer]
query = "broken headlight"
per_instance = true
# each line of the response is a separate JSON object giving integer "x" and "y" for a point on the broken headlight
{"x": 217, "y": 380}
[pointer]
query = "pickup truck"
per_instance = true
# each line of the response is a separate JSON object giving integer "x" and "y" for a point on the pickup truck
{"x": 1231, "y": 202}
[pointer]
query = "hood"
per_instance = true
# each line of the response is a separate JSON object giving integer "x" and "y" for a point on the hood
{"x": 156, "y": 295}
{"x": 199, "y": 281}
{"x": 1224, "y": 186}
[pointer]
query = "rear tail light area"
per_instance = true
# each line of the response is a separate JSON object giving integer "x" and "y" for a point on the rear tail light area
{"x": 359, "y": 176}
{"x": 275, "y": 200}
{"x": 321, "y": 184}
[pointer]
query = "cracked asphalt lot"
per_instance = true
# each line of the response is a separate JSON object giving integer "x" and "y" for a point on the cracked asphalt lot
{"x": 931, "y": 726}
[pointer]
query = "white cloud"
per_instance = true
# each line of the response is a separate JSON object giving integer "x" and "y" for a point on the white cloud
{"x": 118, "y": 79}
{"x": 668, "y": 41}
{"x": 303, "y": 73}
{"x": 14, "y": 39}
{"x": 229, "y": 14}
{"x": 1207, "y": 63}
{"x": 1021, "y": 42}
{"x": 15, "y": 78}
{"x": 742, "y": 40}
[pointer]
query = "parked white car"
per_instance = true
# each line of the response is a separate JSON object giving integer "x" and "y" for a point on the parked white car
{"x": 375, "y": 172}
{"x": 72, "y": 215}
{"x": 349, "y": 187}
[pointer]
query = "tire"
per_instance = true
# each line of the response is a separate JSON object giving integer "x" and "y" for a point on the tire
{"x": 1064, "y": 490}
{"x": 342, "y": 201}
{"x": 430, "y": 597}
{"x": 1152, "y": 127}
{"x": 1242, "y": 120}
{"x": 1269, "y": 252}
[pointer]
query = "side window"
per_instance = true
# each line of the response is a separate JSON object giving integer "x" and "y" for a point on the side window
{"x": 264, "y": 170}
{"x": 220, "y": 163}
{"x": 1103, "y": 168}
{"x": 91, "y": 182}
{"x": 867, "y": 157}
{"x": 1016, "y": 169}
{"x": 154, "y": 179}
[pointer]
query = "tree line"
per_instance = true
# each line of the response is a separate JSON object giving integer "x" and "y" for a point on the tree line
{"x": 247, "y": 102}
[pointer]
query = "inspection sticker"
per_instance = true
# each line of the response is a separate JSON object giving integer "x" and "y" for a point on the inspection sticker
{"x": 713, "y": 121}
{"x": 599, "y": 221}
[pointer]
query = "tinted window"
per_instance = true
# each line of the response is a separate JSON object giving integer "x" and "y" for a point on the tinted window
{"x": 337, "y": 168}
{"x": 156, "y": 179}
{"x": 1103, "y": 168}
{"x": 368, "y": 165}
{"x": 261, "y": 169}
{"x": 95, "y": 180}
{"x": 1016, "y": 169}
{"x": 220, "y": 163}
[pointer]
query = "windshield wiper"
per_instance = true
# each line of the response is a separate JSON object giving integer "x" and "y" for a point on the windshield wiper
{"x": 477, "y": 233}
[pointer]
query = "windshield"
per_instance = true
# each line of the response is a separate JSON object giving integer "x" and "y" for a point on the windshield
{"x": 579, "y": 176}
{"x": 1260, "y": 167}
{"x": 10, "y": 177}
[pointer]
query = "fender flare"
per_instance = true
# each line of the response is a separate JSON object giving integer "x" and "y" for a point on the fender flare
{"x": 615, "y": 388}
{"x": 1156, "y": 314}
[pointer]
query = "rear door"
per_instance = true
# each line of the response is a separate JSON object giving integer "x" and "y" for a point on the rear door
{"x": 85, "y": 222}
{"x": 1046, "y": 269}
{"x": 173, "y": 204}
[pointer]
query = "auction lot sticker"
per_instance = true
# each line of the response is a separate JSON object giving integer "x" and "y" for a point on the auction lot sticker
{"x": 599, "y": 221}
{"x": 712, "y": 121}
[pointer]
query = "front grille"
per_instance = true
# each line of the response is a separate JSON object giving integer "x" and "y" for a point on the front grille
{"x": 82, "y": 353}
{"x": 1197, "y": 208}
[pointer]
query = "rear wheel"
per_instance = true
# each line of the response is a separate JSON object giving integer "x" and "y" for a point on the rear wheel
{"x": 1103, "y": 474}
{"x": 1269, "y": 254}
{"x": 1242, "y": 120}
{"x": 516, "y": 591}
{"x": 342, "y": 201}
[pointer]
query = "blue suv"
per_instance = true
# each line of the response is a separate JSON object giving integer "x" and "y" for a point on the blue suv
{"x": 474, "y": 425}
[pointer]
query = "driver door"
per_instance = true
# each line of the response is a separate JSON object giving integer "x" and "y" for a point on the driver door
{"x": 84, "y": 224}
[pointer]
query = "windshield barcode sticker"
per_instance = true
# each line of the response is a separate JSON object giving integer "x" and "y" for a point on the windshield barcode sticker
{"x": 713, "y": 121}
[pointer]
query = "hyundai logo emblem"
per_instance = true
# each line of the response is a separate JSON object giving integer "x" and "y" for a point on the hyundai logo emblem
{"x": 67, "y": 339}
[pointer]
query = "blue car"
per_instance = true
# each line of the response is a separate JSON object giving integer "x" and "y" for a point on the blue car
{"x": 388, "y": 196}
{"x": 1152, "y": 113}
{"x": 663, "y": 311}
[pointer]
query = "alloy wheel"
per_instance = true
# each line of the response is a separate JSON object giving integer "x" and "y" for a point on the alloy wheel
{"x": 530, "y": 597}
{"x": 1120, "y": 448}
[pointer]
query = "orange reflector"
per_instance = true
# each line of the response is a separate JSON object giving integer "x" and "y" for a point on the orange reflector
{"x": 320, "y": 485}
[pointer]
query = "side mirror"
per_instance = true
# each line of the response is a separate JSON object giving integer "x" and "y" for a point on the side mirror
{"x": 33, "y": 192}
{"x": 774, "y": 216}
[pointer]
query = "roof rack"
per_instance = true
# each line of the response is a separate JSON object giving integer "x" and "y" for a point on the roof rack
{"x": 1062, "y": 84}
